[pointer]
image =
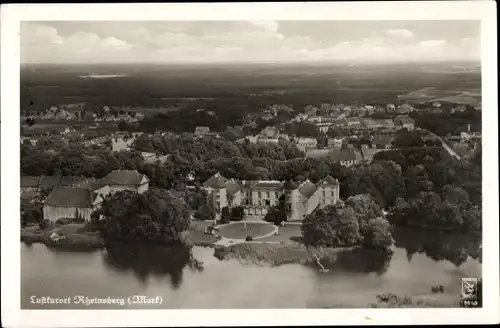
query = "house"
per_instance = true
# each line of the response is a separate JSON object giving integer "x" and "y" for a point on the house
{"x": 345, "y": 156}
{"x": 201, "y": 130}
{"x": 281, "y": 107}
{"x": 29, "y": 183}
{"x": 335, "y": 142}
{"x": 268, "y": 140}
{"x": 405, "y": 122}
{"x": 121, "y": 143}
{"x": 310, "y": 110}
{"x": 353, "y": 122}
{"x": 217, "y": 193}
{"x": 405, "y": 109}
{"x": 148, "y": 157}
{"x": 121, "y": 180}
{"x": 269, "y": 132}
{"x": 384, "y": 123}
{"x": 328, "y": 191}
{"x": 368, "y": 153}
{"x": 370, "y": 123}
{"x": 382, "y": 142}
{"x": 257, "y": 197}
{"x": 324, "y": 127}
{"x": 306, "y": 143}
{"x": 70, "y": 202}
{"x": 317, "y": 153}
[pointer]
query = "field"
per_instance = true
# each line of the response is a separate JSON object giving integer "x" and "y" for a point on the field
{"x": 236, "y": 87}
{"x": 430, "y": 94}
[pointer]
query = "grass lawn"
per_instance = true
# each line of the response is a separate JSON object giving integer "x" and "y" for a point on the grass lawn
{"x": 286, "y": 234}
{"x": 235, "y": 230}
{"x": 200, "y": 238}
{"x": 200, "y": 225}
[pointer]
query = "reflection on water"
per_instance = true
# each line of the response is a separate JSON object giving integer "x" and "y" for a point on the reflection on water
{"x": 145, "y": 261}
{"x": 439, "y": 246}
{"x": 419, "y": 262}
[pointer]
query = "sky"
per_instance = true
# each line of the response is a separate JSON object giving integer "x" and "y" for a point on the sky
{"x": 249, "y": 41}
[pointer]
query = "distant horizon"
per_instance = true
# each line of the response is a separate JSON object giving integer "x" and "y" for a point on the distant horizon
{"x": 302, "y": 63}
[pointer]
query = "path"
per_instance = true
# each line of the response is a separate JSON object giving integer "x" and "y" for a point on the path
{"x": 233, "y": 241}
{"x": 445, "y": 146}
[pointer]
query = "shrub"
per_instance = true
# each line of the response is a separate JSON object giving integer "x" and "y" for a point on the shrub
{"x": 237, "y": 213}
{"x": 249, "y": 238}
{"x": 44, "y": 224}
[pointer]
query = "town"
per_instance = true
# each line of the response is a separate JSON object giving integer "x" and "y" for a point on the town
{"x": 335, "y": 134}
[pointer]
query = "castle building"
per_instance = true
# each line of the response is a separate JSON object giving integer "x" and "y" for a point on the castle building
{"x": 257, "y": 197}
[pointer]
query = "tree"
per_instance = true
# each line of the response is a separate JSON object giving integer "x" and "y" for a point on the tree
{"x": 225, "y": 215}
{"x": 377, "y": 233}
{"x": 405, "y": 138}
{"x": 364, "y": 209}
{"x": 154, "y": 217}
{"x": 237, "y": 213}
{"x": 204, "y": 212}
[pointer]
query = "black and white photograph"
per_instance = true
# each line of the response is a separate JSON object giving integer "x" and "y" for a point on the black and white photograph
{"x": 250, "y": 162}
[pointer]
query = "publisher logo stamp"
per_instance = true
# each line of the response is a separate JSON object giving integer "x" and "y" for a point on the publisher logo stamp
{"x": 469, "y": 292}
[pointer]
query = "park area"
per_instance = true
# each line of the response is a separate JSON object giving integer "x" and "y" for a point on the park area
{"x": 237, "y": 230}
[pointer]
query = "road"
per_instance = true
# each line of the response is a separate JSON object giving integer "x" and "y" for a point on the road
{"x": 448, "y": 148}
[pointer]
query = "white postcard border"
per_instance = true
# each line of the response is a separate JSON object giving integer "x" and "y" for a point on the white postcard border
{"x": 11, "y": 15}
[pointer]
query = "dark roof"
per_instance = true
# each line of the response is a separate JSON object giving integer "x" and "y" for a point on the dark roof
{"x": 202, "y": 129}
{"x": 328, "y": 181}
{"x": 70, "y": 197}
{"x": 217, "y": 181}
{"x": 266, "y": 184}
{"x": 339, "y": 155}
{"x": 406, "y": 120}
{"x": 29, "y": 182}
{"x": 122, "y": 177}
{"x": 232, "y": 187}
{"x": 382, "y": 140}
{"x": 27, "y": 195}
{"x": 48, "y": 181}
{"x": 70, "y": 180}
{"x": 73, "y": 135}
{"x": 290, "y": 185}
{"x": 91, "y": 134}
{"x": 307, "y": 189}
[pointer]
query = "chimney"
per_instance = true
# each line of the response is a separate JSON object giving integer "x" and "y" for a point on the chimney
{"x": 468, "y": 127}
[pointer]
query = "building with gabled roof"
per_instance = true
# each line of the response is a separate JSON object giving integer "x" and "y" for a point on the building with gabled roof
{"x": 70, "y": 202}
{"x": 201, "y": 130}
{"x": 404, "y": 121}
{"x": 345, "y": 156}
{"x": 257, "y": 197}
{"x": 29, "y": 183}
{"x": 121, "y": 180}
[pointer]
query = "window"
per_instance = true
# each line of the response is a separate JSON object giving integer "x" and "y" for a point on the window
{"x": 332, "y": 194}
{"x": 268, "y": 202}
{"x": 324, "y": 193}
{"x": 259, "y": 194}
{"x": 267, "y": 194}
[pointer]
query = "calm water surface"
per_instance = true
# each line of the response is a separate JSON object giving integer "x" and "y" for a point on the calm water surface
{"x": 421, "y": 260}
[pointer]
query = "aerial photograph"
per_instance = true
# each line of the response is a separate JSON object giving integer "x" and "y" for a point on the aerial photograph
{"x": 307, "y": 164}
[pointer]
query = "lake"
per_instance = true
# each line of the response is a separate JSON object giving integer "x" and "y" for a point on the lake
{"x": 421, "y": 260}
